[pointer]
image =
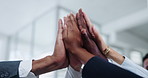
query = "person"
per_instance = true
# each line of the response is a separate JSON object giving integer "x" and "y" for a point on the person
{"x": 95, "y": 66}
{"x": 145, "y": 61}
{"x": 21, "y": 69}
{"x": 34, "y": 68}
{"x": 123, "y": 61}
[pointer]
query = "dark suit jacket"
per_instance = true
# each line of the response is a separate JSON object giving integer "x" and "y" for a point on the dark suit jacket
{"x": 99, "y": 68}
{"x": 9, "y": 69}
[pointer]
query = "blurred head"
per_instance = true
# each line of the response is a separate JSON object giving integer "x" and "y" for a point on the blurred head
{"x": 145, "y": 61}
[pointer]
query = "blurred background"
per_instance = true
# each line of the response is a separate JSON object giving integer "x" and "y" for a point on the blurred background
{"x": 28, "y": 27}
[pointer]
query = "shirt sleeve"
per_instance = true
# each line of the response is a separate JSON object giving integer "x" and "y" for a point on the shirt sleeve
{"x": 129, "y": 65}
{"x": 71, "y": 73}
{"x": 97, "y": 67}
{"x": 25, "y": 68}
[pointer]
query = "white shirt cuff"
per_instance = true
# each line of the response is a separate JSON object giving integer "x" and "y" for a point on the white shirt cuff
{"x": 71, "y": 73}
{"x": 131, "y": 66}
{"x": 25, "y": 68}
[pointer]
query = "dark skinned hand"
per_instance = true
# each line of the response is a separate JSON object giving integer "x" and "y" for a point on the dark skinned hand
{"x": 88, "y": 41}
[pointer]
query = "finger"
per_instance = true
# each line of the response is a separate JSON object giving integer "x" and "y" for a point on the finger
{"x": 87, "y": 19}
{"x": 85, "y": 35}
{"x": 96, "y": 36}
{"x": 69, "y": 23}
{"x": 74, "y": 16}
{"x": 60, "y": 25}
{"x": 77, "y": 16}
{"x": 64, "y": 33}
{"x": 82, "y": 20}
{"x": 64, "y": 20}
{"x": 72, "y": 19}
{"x": 89, "y": 24}
{"x": 79, "y": 20}
{"x": 94, "y": 31}
{"x": 81, "y": 28}
{"x": 59, "y": 33}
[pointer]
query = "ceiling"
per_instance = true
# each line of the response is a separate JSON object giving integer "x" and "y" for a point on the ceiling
{"x": 17, "y": 13}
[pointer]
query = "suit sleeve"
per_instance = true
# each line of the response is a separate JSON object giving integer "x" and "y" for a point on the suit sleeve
{"x": 99, "y": 68}
{"x": 9, "y": 69}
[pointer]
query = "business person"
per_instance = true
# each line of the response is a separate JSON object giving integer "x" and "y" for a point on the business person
{"x": 145, "y": 61}
{"x": 18, "y": 69}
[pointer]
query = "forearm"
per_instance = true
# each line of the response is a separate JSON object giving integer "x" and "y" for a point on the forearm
{"x": 115, "y": 56}
{"x": 44, "y": 65}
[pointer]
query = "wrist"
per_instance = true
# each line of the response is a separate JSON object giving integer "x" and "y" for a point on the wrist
{"x": 83, "y": 55}
{"x": 76, "y": 67}
{"x": 111, "y": 54}
{"x": 118, "y": 58}
{"x": 103, "y": 46}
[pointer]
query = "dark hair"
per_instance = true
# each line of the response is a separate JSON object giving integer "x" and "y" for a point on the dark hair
{"x": 145, "y": 57}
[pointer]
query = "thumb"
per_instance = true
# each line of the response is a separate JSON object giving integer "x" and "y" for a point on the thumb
{"x": 85, "y": 35}
{"x": 97, "y": 36}
{"x": 94, "y": 32}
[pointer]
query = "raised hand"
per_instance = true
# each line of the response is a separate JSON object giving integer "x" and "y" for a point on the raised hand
{"x": 59, "y": 51}
{"x": 57, "y": 61}
{"x": 72, "y": 39}
{"x": 71, "y": 34}
{"x": 88, "y": 39}
{"x": 96, "y": 36}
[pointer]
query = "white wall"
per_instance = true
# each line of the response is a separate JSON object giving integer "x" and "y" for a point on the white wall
{"x": 3, "y": 47}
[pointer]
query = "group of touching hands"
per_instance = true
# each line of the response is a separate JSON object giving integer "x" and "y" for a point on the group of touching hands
{"x": 77, "y": 41}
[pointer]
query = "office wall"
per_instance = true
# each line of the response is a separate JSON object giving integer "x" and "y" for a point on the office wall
{"x": 3, "y": 47}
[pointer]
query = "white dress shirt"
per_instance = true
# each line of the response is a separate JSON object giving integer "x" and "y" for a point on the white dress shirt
{"x": 71, "y": 73}
{"x": 25, "y": 68}
{"x": 131, "y": 66}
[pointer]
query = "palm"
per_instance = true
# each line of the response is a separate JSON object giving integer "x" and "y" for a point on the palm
{"x": 59, "y": 51}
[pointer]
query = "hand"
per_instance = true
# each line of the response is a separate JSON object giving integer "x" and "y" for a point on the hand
{"x": 101, "y": 44}
{"x": 59, "y": 54}
{"x": 72, "y": 40}
{"x": 71, "y": 34}
{"x": 89, "y": 44}
{"x": 97, "y": 37}
{"x": 57, "y": 61}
